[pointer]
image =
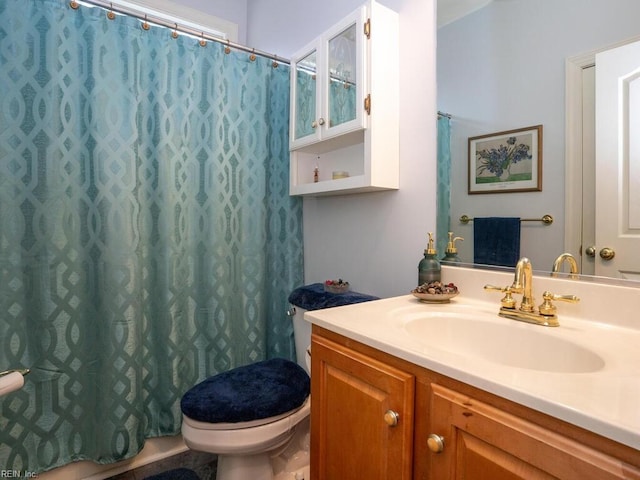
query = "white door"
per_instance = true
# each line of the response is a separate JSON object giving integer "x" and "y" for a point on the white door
{"x": 617, "y": 246}
{"x": 588, "y": 237}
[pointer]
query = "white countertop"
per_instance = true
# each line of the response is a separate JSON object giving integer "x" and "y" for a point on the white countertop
{"x": 605, "y": 401}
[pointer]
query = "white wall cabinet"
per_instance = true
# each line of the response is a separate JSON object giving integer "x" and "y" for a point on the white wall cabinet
{"x": 344, "y": 107}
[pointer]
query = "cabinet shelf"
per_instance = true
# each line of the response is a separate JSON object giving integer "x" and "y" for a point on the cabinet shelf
{"x": 354, "y": 184}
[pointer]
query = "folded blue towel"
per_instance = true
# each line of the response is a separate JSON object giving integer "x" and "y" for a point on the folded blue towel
{"x": 496, "y": 241}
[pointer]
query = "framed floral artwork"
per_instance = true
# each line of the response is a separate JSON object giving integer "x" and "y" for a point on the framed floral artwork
{"x": 506, "y": 162}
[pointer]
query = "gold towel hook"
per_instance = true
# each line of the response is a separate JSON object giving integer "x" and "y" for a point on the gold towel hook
{"x": 110, "y": 14}
{"x": 174, "y": 34}
{"x": 73, "y": 4}
{"x": 202, "y": 42}
{"x": 145, "y": 24}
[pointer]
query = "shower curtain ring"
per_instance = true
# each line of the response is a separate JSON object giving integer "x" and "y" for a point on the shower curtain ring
{"x": 202, "y": 42}
{"x": 110, "y": 14}
{"x": 227, "y": 49}
{"x": 174, "y": 34}
{"x": 252, "y": 57}
{"x": 73, "y": 4}
{"x": 145, "y": 24}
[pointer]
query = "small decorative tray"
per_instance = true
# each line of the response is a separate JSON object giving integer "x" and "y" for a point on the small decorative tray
{"x": 435, "y": 292}
{"x": 434, "y": 297}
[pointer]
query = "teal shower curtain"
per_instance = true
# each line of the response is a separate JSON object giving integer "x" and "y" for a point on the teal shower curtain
{"x": 443, "y": 198}
{"x": 147, "y": 238}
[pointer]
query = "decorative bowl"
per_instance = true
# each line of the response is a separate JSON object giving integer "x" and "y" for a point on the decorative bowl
{"x": 336, "y": 287}
{"x": 434, "y": 297}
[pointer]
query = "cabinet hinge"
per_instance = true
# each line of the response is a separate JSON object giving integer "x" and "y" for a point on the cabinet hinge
{"x": 367, "y": 104}
{"x": 367, "y": 28}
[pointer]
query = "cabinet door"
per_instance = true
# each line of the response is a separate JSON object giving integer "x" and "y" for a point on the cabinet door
{"x": 482, "y": 442}
{"x": 345, "y": 47}
{"x": 361, "y": 416}
{"x": 305, "y": 99}
{"x": 328, "y": 83}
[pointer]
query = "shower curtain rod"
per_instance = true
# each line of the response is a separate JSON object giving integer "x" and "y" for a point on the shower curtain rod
{"x": 176, "y": 27}
{"x": 442, "y": 114}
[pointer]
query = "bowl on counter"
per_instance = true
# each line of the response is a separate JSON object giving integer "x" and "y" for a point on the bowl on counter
{"x": 434, "y": 297}
{"x": 435, "y": 292}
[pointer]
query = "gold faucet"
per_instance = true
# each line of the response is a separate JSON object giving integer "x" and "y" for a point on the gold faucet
{"x": 523, "y": 284}
{"x": 570, "y": 259}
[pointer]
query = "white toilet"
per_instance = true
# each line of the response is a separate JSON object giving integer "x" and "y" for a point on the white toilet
{"x": 273, "y": 448}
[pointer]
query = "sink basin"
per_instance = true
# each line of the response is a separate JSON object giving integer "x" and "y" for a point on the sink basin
{"x": 510, "y": 344}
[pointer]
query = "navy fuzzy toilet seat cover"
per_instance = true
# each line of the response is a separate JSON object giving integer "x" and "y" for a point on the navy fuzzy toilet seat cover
{"x": 253, "y": 392}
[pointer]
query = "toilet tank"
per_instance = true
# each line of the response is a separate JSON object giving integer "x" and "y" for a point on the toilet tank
{"x": 302, "y": 336}
{"x": 313, "y": 297}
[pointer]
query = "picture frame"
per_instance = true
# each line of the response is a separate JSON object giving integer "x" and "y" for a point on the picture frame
{"x": 506, "y": 162}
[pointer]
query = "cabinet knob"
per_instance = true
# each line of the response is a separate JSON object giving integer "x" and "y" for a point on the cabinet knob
{"x": 391, "y": 418}
{"x": 321, "y": 121}
{"x": 314, "y": 124}
{"x": 435, "y": 443}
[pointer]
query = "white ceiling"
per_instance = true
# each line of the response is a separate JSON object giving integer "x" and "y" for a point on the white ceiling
{"x": 451, "y": 10}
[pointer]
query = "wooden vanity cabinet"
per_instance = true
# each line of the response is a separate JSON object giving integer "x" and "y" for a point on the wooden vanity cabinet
{"x": 485, "y": 437}
{"x": 361, "y": 416}
{"x": 485, "y": 442}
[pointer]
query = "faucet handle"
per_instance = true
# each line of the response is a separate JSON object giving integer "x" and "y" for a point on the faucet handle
{"x": 507, "y": 301}
{"x": 548, "y": 308}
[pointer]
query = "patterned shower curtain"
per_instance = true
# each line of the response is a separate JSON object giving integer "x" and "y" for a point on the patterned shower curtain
{"x": 443, "y": 198}
{"x": 147, "y": 239}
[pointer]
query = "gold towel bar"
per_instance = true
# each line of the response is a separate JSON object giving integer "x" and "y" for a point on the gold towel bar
{"x": 546, "y": 219}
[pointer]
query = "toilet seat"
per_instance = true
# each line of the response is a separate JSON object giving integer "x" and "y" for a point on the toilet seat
{"x": 242, "y": 425}
{"x": 242, "y": 438}
{"x": 248, "y": 410}
{"x": 253, "y": 392}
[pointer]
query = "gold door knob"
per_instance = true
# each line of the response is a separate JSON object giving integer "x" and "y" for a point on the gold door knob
{"x": 607, "y": 253}
{"x": 591, "y": 252}
{"x": 435, "y": 443}
{"x": 391, "y": 418}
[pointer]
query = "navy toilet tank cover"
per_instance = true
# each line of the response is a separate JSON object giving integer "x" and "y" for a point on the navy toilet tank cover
{"x": 313, "y": 297}
{"x": 252, "y": 392}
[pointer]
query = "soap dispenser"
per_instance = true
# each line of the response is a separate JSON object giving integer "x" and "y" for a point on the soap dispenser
{"x": 451, "y": 253}
{"x": 429, "y": 267}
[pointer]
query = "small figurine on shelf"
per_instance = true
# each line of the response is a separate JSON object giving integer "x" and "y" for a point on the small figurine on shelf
{"x": 316, "y": 172}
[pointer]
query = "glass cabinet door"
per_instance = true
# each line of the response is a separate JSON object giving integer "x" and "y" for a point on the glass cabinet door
{"x": 342, "y": 77}
{"x": 327, "y": 83}
{"x": 305, "y": 102}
